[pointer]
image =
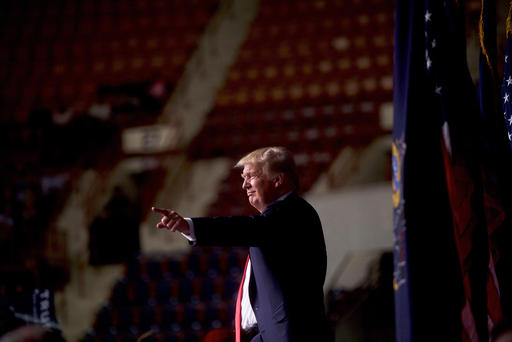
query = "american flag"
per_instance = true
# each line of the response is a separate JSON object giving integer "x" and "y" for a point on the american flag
{"x": 457, "y": 109}
{"x": 437, "y": 40}
{"x": 506, "y": 89}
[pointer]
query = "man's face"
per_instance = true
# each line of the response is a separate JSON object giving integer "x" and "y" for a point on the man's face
{"x": 261, "y": 191}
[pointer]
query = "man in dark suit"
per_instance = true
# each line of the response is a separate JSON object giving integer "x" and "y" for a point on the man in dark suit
{"x": 282, "y": 296}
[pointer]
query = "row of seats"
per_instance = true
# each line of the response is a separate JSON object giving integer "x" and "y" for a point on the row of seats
{"x": 312, "y": 52}
{"x": 311, "y": 139}
{"x": 328, "y": 24}
{"x": 100, "y": 45}
{"x": 114, "y": 66}
{"x": 182, "y": 290}
{"x": 204, "y": 316}
{"x": 199, "y": 261}
{"x": 66, "y": 14}
{"x": 307, "y": 77}
{"x": 326, "y": 70}
{"x": 40, "y": 41}
{"x": 284, "y": 8}
{"x": 69, "y": 91}
{"x": 46, "y": 52}
{"x": 65, "y": 87}
{"x": 330, "y": 113}
{"x": 318, "y": 92}
{"x": 59, "y": 8}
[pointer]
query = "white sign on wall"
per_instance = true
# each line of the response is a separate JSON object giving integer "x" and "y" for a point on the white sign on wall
{"x": 149, "y": 139}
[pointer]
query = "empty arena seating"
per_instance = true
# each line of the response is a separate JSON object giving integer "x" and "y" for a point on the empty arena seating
{"x": 58, "y": 53}
{"x": 311, "y": 76}
{"x": 178, "y": 298}
{"x": 313, "y": 52}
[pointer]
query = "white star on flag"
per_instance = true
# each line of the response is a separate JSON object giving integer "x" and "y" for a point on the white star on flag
{"x": 427, "y": 16}
{"x": 509, "y": 80}
{"x": 505, "y": 98}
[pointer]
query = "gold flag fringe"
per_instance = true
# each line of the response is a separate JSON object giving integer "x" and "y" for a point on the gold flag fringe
{"x": 482, "y": 44}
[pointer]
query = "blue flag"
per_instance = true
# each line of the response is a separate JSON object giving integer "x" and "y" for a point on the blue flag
{"x": 427, "y": 274}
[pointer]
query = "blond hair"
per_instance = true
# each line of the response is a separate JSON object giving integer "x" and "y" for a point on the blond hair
{"x": 272, "y": 160}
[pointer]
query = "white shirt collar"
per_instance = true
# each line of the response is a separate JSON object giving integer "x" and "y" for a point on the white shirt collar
{"x": 284, "y": 196}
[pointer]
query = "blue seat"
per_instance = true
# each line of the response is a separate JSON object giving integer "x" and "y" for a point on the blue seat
{"x": 124, "y": 318}
{"x": 171, "y": 314}
{"x": 174, "y": 267}
{"x": 207, "y": 290}
{"x": 163, "y": 292}
{"x": 186, "y": 290}
{"x": 120, "y": 293}
{"x": 141, "y": 292}
{"x": 231, "y": 285}
{"x": 155, "y": 269}
{"x": 194, "y": 316}
{"x": 146, "y": 318}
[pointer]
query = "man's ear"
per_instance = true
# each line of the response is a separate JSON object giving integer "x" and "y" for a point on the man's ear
{"x": 278, "y": 180}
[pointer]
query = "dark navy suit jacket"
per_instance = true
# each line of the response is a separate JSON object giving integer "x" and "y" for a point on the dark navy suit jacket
{"x": 289, "y": 261}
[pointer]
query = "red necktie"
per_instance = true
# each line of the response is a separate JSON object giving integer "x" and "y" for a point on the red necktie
{"x": 238, "y": 311}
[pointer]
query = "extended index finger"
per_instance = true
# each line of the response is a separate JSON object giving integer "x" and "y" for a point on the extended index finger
{"x": 164, "y": 212}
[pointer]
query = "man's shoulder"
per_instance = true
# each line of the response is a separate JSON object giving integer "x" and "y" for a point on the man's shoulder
{"x": 295, "y": 198}
{"x": 293, "y": 202}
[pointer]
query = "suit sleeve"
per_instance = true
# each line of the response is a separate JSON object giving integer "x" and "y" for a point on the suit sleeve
{"x": 234, "y": 231}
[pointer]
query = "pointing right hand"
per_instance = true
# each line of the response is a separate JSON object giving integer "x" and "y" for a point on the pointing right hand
{"x": 171, "y": 220}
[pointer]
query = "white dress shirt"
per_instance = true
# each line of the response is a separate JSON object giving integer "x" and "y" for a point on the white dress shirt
{"x": 248, "y": 317}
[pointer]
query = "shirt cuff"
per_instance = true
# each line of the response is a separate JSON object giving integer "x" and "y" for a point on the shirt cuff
{"x": 192, "y": 235}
